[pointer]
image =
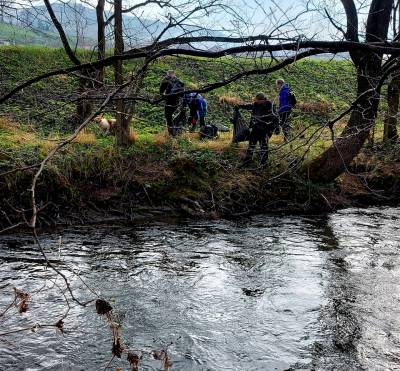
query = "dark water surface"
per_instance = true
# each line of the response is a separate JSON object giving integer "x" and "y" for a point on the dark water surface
{"x": 271, "y": 293}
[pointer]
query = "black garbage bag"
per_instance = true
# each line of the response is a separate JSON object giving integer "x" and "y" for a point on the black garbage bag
{"x": 242, "y": 135}
{"x": 241, "y": 131}
{"x": 178, "y": 122}
{"x": 276, "y": 124}
{"x": 209, "y": 131}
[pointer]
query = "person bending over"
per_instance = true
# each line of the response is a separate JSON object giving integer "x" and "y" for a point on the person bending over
{"x": 197, "y": 109}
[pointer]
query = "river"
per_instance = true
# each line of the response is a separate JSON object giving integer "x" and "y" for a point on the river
{"x": 265, "y": 293}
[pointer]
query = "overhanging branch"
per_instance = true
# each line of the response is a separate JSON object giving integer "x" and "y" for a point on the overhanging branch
{"x": 153, "y": 54}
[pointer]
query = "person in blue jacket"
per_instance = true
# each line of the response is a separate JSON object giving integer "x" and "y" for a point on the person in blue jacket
{"x": 285, "y": 107}
{"x": 197, "y": 109}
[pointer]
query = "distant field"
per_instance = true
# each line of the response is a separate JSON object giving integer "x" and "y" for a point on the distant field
{"x": 21, "y": 35}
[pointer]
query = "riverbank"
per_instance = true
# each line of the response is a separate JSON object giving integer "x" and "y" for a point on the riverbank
{"x": 93, "y": 181}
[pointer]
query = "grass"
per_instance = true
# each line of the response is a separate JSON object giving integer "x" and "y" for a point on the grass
{"x": 159, "y": 170}
{"x": 86, "y": 138}
{"x": 170, "y": 170}
{"x": 315, "y": 82}
{"x": 323, "y": 89}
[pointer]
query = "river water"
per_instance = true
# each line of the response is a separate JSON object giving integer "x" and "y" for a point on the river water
{"x": 266, "y": 293}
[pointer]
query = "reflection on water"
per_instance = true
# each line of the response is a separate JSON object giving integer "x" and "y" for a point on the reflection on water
{"x": 271, "y": 293}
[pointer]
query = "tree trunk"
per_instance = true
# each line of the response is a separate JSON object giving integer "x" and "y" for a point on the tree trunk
{"x": 101, "y": 39}
{"x": 122, "y": 125}
{"x": 390, "y": 131}
{"x": 337, "y": 158}
{"x": 83, "y": 106}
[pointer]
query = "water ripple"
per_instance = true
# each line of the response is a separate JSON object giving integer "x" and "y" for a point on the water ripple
{"x": 268, "y": 293}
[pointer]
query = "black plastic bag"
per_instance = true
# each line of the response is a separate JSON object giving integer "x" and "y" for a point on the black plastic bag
{"x": 209, "y": 132}
{"x": 241, "y": 131}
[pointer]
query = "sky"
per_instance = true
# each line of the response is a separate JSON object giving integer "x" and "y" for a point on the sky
{"x": 245, "y": 17}
{"x": 280, "y": 18}
{"x": 251, "y": 17}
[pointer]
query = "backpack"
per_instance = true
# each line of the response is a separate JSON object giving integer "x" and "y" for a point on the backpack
{"x": 176, "y": 86}
{"x": 292, "y": 99}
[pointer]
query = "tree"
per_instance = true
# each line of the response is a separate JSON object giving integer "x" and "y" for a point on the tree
{"x": 390, "y": 127}
{"x": 338, "y": 157}
{"x": 122, "y": 129}
{"x": 83, "y": 107}
{"x": 101, "y": 39}
{"x": 6, "y": 10}
{"x": 390, "y": 135}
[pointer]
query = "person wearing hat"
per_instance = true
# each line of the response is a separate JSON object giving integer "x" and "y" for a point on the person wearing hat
{"x": 262, "y": 123}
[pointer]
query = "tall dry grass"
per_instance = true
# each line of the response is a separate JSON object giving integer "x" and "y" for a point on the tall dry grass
{"x": 133, "y": 136}
{"x": 229, "y": 100}
{"x": 84, "y": 137}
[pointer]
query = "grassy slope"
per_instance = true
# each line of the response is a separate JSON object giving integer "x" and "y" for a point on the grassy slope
{"x": 18, "y": 35}
{"x": 24, "y": 35}
{"x": 158, "y": 170}
{"x": 312, "y": 80}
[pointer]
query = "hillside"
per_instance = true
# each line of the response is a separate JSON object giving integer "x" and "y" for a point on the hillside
{"x": 83, "y": 18}
{"x": 182, "y": 175}
{"x": 14, "y": 34}
{"x": 316, "y": 83}
{"x": 79, "y": 23}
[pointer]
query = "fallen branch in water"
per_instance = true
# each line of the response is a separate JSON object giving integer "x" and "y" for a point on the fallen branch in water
{"x": 34, "y": 328}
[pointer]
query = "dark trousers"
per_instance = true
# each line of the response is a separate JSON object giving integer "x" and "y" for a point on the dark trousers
{"x": 170, "y": 108}
{"x": 259, "y": 134}
{"x": 285, "y": 123}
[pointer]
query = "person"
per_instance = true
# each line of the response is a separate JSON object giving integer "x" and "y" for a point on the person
{"x": 197, "y": 109}
{"x": 261, "y": 126}
{"x": 285, "y": 107}
{"x": 172, "y": 88}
